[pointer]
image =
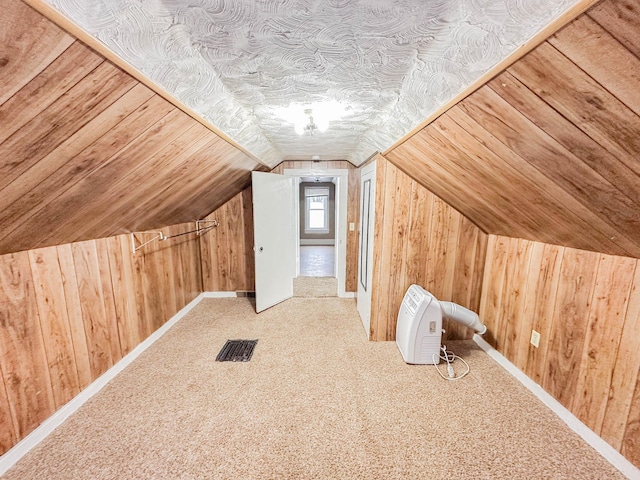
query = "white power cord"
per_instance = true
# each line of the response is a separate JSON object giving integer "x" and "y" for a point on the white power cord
{"x": 449, "y": 357}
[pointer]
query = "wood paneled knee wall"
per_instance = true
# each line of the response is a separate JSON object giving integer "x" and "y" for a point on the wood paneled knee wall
{"x": 420, "y": 239}
{"x": 586, "y": 306}
{"x": 70, "y": 312}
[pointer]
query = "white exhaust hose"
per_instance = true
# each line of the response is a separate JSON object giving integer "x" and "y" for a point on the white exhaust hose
{"x": 462, "y": 315}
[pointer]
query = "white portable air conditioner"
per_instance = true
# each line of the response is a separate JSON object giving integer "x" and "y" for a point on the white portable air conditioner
{"x": 419, "y": 327}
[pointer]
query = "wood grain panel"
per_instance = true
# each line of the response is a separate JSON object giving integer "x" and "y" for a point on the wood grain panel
{"x": 52, "y": 126}
{"x": 526, "y": 195}
{"x": 39, "y": 93}
{"x": 586, "y": 307}
{"x": 69, "y": 210}
{"x": 449, "y": 246}
{"x": 106, "y": 286}
{"x": 353, "y": 217}
{"x": 383, "y": 267}
{"x": 69, "y": 312}
{"x": 79, "y": 148}
{"x": 78, "y": 156}
{"x": 569, "y": 136}
{"x": 74, "y": 314}
{"x": 54, "y": 322}
{"x": 419, "y": 160}
{"x": 139, "y": 277}
{"x": 618, "y": 69}
{"x": 153, "y": 281}
{"x": 449, "y": 141}
{"x": 555, "y": 162}
{"x": 475, "y": 294}
{"x": 549, "y": 211}
{"x": 224, "y": 249}
{"x": 230, "y": 173}
{"x": 123, "y": 283}
{"x": 397, "y": 282}
{"x": 26, "y": 52}
{"x": 227, "y": 257}
{"x": 8, "y": 436}
{"x": 247, "y": 219}
{"x": 24, "y": 362}
{"x": 172, "y": 147}
{"x": 420, "y": 239}
{"x": 194, "y": 167}
{"x": 235, "y": 217}
{"x": 453, "y": 330}
{"x": 631, "y": 441}
{"x": 465, "y": 262}
{"x": 314, "y": 164}
{"x": 419, "y": 233}
{"x": 606, "y": 320}
{"x": 438, "y": 237}
{"x": 573, "y": 299}
{"x": 381, "y": 211}
{"x": 96, "y": 327}
{"x": 542, "y": 284}
{"x": 492, "y": 288}
{"x": 626, "y": 369}
{"x": 173, "y": 266}
{"x": 621, "y": 19}
{"x": 581, "y": 100}
{"x": 517, "y": 269}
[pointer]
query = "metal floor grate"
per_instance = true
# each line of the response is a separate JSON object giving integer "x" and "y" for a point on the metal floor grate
{"x": 236, "y": 351}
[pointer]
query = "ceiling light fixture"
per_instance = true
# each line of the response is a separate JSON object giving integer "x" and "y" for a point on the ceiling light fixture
{"x": 320, "y": 123}
{"x": 312, "y": 117}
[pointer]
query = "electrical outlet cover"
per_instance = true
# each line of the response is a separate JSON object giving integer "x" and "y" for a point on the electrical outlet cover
{"x": 535, "y": 338}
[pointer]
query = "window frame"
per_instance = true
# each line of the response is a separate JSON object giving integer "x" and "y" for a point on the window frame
{"x": 307, "y": 209}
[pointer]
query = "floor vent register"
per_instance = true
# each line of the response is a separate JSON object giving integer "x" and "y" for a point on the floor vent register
{"x": 236, "y": 351}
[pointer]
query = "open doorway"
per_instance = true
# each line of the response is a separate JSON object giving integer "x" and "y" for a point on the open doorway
{"x": 332, "y": 255}
{"x": 317, "y": 226}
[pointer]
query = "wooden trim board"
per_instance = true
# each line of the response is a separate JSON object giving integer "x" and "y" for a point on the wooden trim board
{"x": 73, "y": 29}
{"x": 571, "y": 13}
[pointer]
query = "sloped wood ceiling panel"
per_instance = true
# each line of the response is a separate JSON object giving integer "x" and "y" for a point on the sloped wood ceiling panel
{"x": 86, "y": 151}
{"x": 550, "y": 149}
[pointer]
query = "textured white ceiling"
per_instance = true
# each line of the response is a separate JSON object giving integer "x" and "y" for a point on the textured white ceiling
{"x": 240, "y": 63}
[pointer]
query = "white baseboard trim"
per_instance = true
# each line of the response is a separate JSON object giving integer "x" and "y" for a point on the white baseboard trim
{"x": 607, "y": 451}
{"x": 347, "y": 295}
{"x": 218, "y": 295}
{"x": 23, "y": 447}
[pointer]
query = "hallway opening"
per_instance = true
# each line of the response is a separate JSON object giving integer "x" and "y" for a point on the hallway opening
{"x": 317, "y": 261}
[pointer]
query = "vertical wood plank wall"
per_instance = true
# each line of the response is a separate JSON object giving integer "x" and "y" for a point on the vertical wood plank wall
{"x": 70, "y": 312}
{"x": 420, "y": 239}
{"x": 227, "y": 252}
{"x": 586, "y": 306}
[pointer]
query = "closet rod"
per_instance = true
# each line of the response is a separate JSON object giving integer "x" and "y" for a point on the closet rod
{"x": 162, "y": 237}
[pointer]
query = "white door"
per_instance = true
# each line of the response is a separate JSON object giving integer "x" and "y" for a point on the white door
{"x": 365, "y": 252}
{"x": 274, "y": 238}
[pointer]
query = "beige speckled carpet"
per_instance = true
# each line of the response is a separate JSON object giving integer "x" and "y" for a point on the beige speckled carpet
{"x": 317, "y": 401}
{"x": 315, "y": 287}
